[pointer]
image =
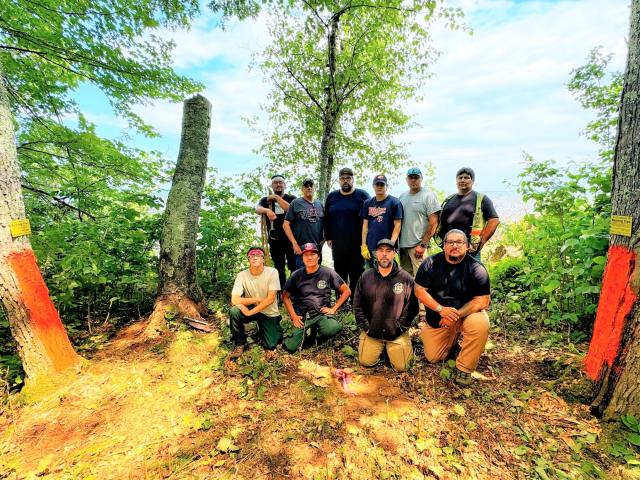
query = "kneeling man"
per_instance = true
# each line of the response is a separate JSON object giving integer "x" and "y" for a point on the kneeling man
{"x": 455, "y": 289}
{"x": 307, "y": 297}
{"x": 385, "y": 305}
{"x": 254, "y": 299}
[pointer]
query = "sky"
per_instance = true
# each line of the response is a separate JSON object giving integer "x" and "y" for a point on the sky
{"x": 494, "y": 94}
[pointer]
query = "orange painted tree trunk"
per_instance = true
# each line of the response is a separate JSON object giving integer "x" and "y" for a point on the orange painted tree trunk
{"x": 178, "y": 288}
{"x": 43, "y": 344}
{"x": 613, "y": 360}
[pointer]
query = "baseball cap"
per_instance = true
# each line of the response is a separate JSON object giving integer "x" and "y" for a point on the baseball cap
{"x": 307, "y": 181}
{"x": 386, "y": 241}
{"x": 414, "y": 171}
{"x": 468, "y": 170}
{"x": 309, "y": 247}
{"x": 345, "y": 171}
{"x": 380, "y": 179}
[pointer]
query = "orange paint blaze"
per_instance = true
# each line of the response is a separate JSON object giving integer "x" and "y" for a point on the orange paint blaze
{"x": 616, "y": 301}
{"x": 43, "y": 316}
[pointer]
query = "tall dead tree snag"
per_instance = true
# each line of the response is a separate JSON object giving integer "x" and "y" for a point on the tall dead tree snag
{"x": 178, "y": 287}
{"x": 613, "y": 360}
{"x": 43, "y": 344}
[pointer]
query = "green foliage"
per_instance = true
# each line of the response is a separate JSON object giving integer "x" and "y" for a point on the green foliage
{"x": 258, "y": 373}
{"x": 347, "y": 102}
{"x": 557, "y": 280}
{"x": 227, "y": 229}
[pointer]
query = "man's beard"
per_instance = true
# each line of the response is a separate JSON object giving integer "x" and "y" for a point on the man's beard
{"x": 384, "y": 263}
{"x": 346, "y": 187}
{"x": 278, "y": 190}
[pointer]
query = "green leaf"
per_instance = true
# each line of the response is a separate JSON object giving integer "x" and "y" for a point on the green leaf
{"x": 521, "y": 450}
{"x": 634, "y": 439}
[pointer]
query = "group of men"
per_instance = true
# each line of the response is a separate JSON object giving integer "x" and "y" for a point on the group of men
{"x": 448, "y": 291}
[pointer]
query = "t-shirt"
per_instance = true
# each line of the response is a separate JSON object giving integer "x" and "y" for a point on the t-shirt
{"x": 276, "y": 232}
{"x": 306, "y": 220}
{"x": 459, "y": 210}
{"x": 452, "y": 285}
{"x": 342, "y": 223}
{"x": 258, "y": 286}
{"x": 380, "y": 215}
{"x": 417, "y": 208}
{"x": 311, "y": 292}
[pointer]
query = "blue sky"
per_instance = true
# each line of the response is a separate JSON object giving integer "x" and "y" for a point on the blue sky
{"x": 494, "y": 94}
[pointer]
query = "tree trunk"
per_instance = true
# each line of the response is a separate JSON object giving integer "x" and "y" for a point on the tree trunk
{"x": 330, "y": 117}
{"x": 614, "y": 353}
{"x": 178, "y": 287}
{"x": 43, "y": 344}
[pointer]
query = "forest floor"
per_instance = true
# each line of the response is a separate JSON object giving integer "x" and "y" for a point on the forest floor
{"x": 176, "y": 407}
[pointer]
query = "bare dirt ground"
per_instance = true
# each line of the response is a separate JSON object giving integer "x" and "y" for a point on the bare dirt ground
{"x": 176, "y": 407}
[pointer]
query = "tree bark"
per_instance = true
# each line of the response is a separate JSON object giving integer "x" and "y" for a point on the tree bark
{"x": 43, "y": 344}
{"x": 331, "y": 111}
{"x": 178, "y": 286}
{"x": 614, "y": 353}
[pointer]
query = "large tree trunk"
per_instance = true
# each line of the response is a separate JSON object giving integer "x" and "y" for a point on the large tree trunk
{"x": 43, "y": 344}
{"x": 614, "y": 353}
{"x": 178, "y": 288}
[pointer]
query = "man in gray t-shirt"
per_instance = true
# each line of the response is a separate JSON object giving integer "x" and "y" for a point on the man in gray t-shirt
{"x": 421, "y": 214}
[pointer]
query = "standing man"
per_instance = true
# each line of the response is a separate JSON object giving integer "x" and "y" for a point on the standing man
{"x": 307, "y": 297}
{"x": 469, "y": 211}
{"x": 455, "y": 289}
{"x": 384, "y": 305}
{"x": 381, "y": 218}
{"x": 343, "y": 227}
{"x": 254, "y": 299}
{"x": 274, "y": 207}
{"x": 303, "y": 222}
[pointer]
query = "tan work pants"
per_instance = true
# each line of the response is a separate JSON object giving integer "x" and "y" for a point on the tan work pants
{"x": 475, "y": 332}
{"x": 399, "y": 351}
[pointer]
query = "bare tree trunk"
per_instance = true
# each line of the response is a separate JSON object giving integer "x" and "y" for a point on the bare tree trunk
{"x": 43, "y": 344}
{"x": 178, "y": 286}
{"x": 330, "y": 117}
{"x": 614, "y": 353}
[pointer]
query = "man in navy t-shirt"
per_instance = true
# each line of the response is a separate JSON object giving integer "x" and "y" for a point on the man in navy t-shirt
{"x": 343, "y": 227}
{"x": 454, "y": 288}
{"x": 303, "y": 222}
{"x": 381, "y": 218}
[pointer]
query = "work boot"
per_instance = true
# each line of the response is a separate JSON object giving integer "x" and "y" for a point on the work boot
{"x": 462, "y": 379}
{"x": 237, "y": 351}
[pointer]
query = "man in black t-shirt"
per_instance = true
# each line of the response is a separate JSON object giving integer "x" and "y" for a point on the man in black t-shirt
{"x": 458, "y": 211}
{"x": 274, "y": 207}
{"x": 454, "y": 287}
{"x": 307, "y": 298}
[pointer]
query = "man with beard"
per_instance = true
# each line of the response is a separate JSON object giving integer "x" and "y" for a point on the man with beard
{"x": 307, "y": 298}
{"x": 343, "y": 227}
{"x": 303, "y": 222}
{"x": 455, "y": 289}
{"x": 384, "y": 305}
{"x": 274, "y": 207}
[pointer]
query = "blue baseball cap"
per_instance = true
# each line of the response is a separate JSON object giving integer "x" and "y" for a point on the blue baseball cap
{"x": 414, "y": 171}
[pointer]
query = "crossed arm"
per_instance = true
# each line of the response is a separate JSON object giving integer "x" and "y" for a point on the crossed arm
{"x": 259, "y": 304}
{"x": 449, "y": 315}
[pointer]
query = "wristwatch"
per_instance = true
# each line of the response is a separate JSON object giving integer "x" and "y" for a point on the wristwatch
{"x": 439, "y": 308}
{"x": 423, "y": 245}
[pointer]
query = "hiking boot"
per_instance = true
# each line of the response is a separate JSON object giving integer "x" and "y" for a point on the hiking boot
{"x": 462, "y": 379}
{"x": 237, "y": 351}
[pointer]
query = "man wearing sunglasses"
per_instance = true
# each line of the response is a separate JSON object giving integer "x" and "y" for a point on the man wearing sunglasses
{"x": 454, "y": 288}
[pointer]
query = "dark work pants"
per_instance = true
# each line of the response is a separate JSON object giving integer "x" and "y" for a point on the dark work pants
{"x": 349, "y": 266}
{"x": 268, "y": 327}
{"x": 282, "y": 254}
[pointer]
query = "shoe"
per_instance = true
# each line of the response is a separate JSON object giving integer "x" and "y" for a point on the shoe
{"x": 237, "y": 351}
{"x": 462, "y": 379}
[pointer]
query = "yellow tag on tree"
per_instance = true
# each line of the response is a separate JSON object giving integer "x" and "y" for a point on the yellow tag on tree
{"x": 20, "y": 227}
{"x": 620, "y": 225}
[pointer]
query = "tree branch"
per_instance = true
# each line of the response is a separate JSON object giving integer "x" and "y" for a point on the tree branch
{"x": 57, "y": 200}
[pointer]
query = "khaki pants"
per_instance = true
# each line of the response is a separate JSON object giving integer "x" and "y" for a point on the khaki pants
{"x": 475, "y": 332}
{"x": 411, "y": 264}
{"x": 399, "y": 351}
